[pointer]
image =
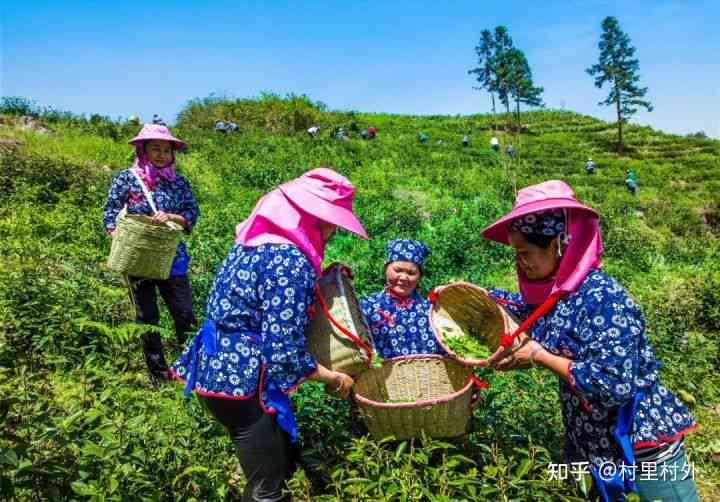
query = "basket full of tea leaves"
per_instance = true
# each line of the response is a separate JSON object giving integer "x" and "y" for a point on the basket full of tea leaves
{"x": 467, "y": 322}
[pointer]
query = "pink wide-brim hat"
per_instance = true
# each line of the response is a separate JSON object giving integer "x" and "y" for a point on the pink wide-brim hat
{"x": 157, "y": 131}
{"x": 553, "y": 194}
{"x": 326, "y": 195}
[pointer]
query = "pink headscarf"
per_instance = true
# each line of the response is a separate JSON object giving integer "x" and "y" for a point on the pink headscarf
{"x": 147, "y": 171}
{"x": 582, "y": 254}
{"x": 584, "y": 243}
{"x": 290, "y": 214}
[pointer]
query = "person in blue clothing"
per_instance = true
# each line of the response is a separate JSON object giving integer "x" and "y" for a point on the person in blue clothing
{"x": 250, "y": 352}
{"x": 172, "y": 197}
{"x": 157, "y": 120}
{"x": 398, "y": 316}
{"x": 584, "y": 326}
{"x": 590, "y": 166}
{"x": 631, "y": 182}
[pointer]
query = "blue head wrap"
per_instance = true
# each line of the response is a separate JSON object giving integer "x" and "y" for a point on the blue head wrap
{"x": 549, "y": 223}
{"x": 407, "y": 250}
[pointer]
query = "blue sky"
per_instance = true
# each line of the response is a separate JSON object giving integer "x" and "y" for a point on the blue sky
{"x": 124, "y": 58}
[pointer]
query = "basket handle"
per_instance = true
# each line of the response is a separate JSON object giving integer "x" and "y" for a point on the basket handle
{"x": 343, "y": 268}
{"x": 479, "y": 384}
{"x": 353, "y": 338}
{"x": 508, "y": 339}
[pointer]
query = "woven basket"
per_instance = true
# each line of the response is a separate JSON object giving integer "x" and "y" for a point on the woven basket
{"x": 141, "y": 248}
{"x": 411, "y": 395}
{"x": 461, "y": 308}
{"x": 337, "y": 313}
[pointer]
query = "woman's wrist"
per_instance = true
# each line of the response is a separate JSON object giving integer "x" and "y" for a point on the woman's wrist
{"x": 535, "y": 353}
{"x": 324, "y": 375}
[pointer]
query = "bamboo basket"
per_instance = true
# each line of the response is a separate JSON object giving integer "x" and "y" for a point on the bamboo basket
{"x": 141, "y": 248}
{"x": 461, "y": 308}
{"x": 337, "y": 336}
{"x": 412, "y": 395}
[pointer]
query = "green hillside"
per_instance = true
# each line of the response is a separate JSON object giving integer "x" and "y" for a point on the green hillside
{"x": 78, "y": 418}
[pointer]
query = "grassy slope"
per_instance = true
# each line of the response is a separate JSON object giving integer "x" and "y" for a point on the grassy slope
{"x": 657, "y": 244}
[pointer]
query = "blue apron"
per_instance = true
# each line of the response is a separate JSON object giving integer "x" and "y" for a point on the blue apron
{"x": 615, "y": 488}
{"x": 181, "y": 261}
{"x": 277, "y": 399}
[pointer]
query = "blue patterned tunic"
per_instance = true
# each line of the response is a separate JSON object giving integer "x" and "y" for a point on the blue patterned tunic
{"x": 601, "y": 329}
{"x": 259, "y": 303}
{"x": 399, "y": 327}
{"x": 171, "y": 197}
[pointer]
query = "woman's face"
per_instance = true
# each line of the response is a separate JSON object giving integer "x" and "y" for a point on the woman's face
{"x": 534, "y": 261}
{"x": 402, "y": 277}
{"x": 159, "y": 152}
{"x": 327, "y": 230}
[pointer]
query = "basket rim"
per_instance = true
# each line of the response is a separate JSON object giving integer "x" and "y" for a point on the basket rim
{"x": 416, "y": 404}
{"x": 463, "y": 285}
{"x": 146, "y": 220}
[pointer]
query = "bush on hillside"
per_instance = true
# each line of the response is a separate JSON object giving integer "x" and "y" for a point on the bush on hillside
{"x": 270, "y": 113}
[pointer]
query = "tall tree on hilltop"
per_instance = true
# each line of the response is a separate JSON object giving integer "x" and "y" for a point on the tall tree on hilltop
{"x": 485, "y": 71}
{"x": 520, "y": 82}
{"x": 618, "y": 67}
{"x": 503, "y": 44}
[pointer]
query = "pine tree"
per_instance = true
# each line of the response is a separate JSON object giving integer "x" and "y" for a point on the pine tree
{"x": 503, "y": 65}
{"x": 520, "y": 82}
{"x": 618, "y": 67}
{"x": 485, "y": 71}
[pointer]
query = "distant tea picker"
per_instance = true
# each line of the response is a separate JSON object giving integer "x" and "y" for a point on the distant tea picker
{"x": 583, "y": 326}
{"x": 152, "y": 187}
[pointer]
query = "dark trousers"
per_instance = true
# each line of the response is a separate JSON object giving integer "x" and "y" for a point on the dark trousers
{"x": 177, "y": 295}
{"x": 266, "y": 454}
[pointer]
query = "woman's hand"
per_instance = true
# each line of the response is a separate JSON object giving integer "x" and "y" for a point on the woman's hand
{"x": 520, "y": 356}
{"x": 336, "y": 383}
{"x": 111, "y": 233}
{"x": 340, "y": 385}
{"x": 162, "y": 217}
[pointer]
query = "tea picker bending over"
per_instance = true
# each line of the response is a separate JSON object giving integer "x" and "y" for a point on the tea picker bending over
{"x": 398, "y": 316}
{"x": 154, "y": 167}
{"x": 250, "y": 353}
{"x": 592, "y": 335}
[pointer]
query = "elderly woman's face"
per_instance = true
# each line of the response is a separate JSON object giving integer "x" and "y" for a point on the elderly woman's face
{"x": 402, "y": 277}
{"x": 536, "y": 263}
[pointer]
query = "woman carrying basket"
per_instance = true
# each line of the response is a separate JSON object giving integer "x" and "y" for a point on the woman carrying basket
{"x": 398, "y": 316}
{"x": 620, "y": 421}
{"x": 250, "y": 352}
{"x": 152, "y": 187}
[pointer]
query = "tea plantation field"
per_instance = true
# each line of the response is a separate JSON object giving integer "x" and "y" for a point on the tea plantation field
{"x": 79, "y": 420}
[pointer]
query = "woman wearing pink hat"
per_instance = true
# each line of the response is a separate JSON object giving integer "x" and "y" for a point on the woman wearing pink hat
{"x": 151, "y": 186}
{"x": 250, "y": 352}
{"x": 584, "y": 327}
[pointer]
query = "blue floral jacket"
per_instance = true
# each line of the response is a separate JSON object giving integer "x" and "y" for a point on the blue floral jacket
{"x": 399, "y": 327}
{"x": 601, "y": 329}
{"x": 171, "y": 197}
{"x": 259, "y": 305}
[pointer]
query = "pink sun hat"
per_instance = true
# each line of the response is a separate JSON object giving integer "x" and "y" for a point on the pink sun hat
{"x": 327, "y": 195}
{"x": 553, "y": 194}
{"x": 157, "y": 131}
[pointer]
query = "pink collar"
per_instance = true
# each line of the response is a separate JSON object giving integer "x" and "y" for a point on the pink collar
{"x": 402, "y": 301}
